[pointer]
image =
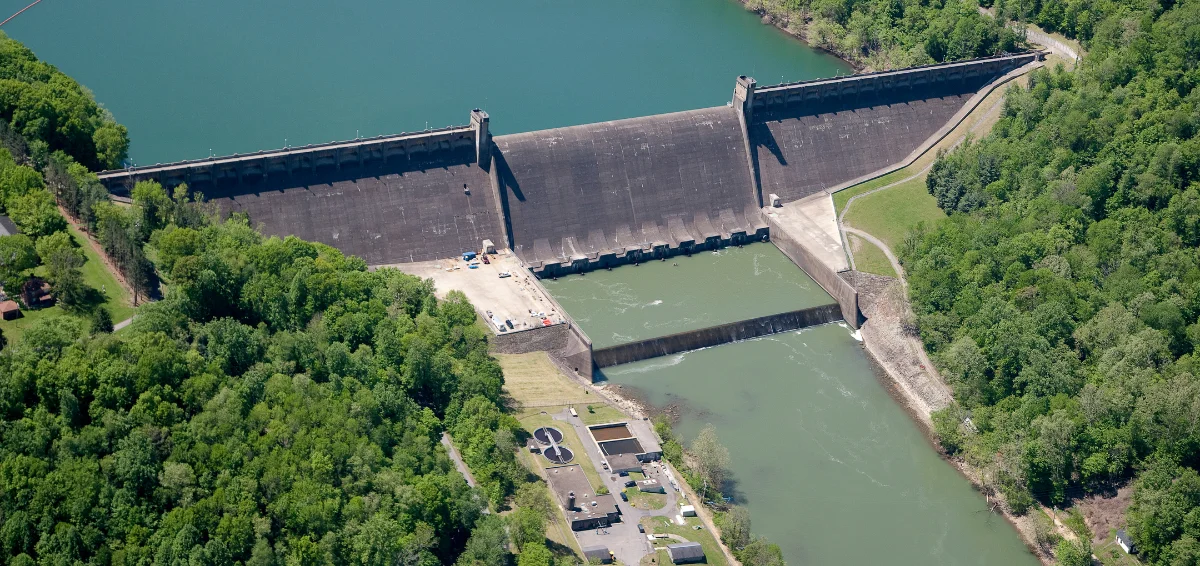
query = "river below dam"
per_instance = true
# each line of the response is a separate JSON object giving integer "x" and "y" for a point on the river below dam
{"x": 830, "y": 467}
{"x": 658, "y": 298}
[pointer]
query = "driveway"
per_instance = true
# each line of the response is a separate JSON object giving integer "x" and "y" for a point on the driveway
{"x": 623, "y": 539}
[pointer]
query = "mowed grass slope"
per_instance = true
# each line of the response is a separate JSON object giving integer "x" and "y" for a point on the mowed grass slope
{"x": 95, "y": 275}
{"x": 868, "y": 258}
{"x": 532, "y": 380}
{"x": 890, "y": 214}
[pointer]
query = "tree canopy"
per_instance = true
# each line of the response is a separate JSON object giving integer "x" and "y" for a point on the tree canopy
{"x": 282, "y": 404}
{"x": 52, "y": 112}
{"x": 1061, "y": 297}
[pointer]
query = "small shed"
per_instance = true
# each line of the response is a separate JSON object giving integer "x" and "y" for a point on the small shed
{"x": 598, "y": 553}
{"x": 688, "y": 511}
{"x": 10, "y": 310}
{"x": 686, "y": 552}
{"x": 489, "y": 247}
{"x": 1125, "y": 542}
{"x": 651, "y": 486}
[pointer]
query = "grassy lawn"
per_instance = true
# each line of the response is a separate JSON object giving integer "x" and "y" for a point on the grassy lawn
{"x": 531, "y": 380}
{"x": 978, "y": 123}
{"x": 712, "y": 552}
{"x": 534, "y": 419}
{"x": 1111, "y": 555}
{"x": 890, "y": 214}
{"x": 643, "y": 500}
{"x": 869, "y": 258}
{"x": 841, "y": 197}
{"x": 95, "y": 275}
{"x": 600, "y": 413}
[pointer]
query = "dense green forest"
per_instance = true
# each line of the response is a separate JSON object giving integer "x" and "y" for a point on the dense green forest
{"x": 282, "y": 404}
{"x": 52, "y": 112}
{"x": 889, "y": 34}
{"x": 1061, "y": 297}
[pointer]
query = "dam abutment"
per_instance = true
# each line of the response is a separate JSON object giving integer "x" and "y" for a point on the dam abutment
{"x": 829, "y": 279}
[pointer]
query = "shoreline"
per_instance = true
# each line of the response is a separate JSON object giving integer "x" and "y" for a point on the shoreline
{"x": 882, "y": 306}
{"x": 904, "y": 388}
{"x": 782, "y": 22}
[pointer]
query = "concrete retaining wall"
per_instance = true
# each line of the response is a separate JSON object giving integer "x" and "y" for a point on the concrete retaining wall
{"x": 715, "y": 335}
{"x": 827, "y": 278}
{"x": 541, "y": 339}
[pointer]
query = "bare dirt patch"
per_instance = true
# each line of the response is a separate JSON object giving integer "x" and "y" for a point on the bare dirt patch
{"x": 1105, "y": 513}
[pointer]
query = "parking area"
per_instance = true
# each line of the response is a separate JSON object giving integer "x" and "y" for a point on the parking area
{"x": 516, "y": 298}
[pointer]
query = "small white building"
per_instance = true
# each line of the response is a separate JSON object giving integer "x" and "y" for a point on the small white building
{"x": 489, "y": 247}
{"x": 688, "y": 510}
{"x": 1125, "y": 542}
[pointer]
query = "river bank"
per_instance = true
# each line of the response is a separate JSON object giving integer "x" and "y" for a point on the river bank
{"x": 891, "y": 342}
{"x": 794, "y": 25}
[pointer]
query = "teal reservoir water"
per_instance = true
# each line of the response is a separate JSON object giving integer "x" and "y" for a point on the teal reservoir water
{"x": 828, "y": 463}
{"x": 685, "y": 293}
{"x": 230, "y": 76}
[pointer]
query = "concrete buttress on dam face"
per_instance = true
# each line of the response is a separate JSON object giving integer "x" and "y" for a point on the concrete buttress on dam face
{"x": 580, "y": 193}
{"x": 587, "y": 196}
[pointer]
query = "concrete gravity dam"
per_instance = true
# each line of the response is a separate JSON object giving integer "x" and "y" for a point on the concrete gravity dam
{"x": 599, "y": 195}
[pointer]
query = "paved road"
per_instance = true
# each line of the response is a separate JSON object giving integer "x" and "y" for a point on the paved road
{"x": 882, "y": 246}
{"x": 457, "y": 459}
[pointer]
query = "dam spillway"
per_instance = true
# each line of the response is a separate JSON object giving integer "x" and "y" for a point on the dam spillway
{"x": 577, "y": 198}
{"x": 604, "y": 193}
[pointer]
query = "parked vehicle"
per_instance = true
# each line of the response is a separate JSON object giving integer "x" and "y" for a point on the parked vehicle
{"x": 630, "y": 483}
{"x": 509, "y": 323}
{"x": 624, "y": 497}
{"x": 641, "y": 528}
{"x": 468, "y": 256}
{"x": 485, "y": 259}
{"x": 504, "y": 274}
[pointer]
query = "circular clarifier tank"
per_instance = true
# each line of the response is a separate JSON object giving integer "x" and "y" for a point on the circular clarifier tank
{"x": 548, "y": 435}
{"x": 558, "y": 455}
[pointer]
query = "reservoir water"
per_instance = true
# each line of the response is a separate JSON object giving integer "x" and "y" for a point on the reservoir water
{"x": 830, "y": 467}
{"x": 828, "y": 463}
{"x": 234, "y": 76}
